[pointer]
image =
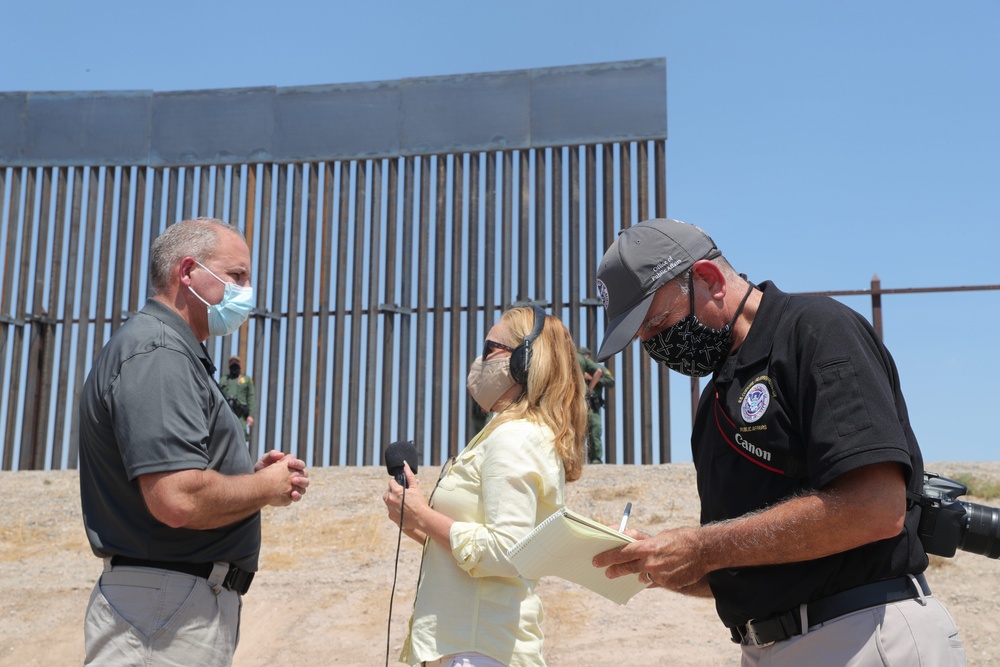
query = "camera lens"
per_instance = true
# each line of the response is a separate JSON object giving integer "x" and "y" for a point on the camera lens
{"x": 982, "y": 530}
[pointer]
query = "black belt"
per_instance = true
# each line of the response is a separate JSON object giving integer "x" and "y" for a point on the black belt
{"x": 789, "y": 623}
{"x": 236, "y": 580}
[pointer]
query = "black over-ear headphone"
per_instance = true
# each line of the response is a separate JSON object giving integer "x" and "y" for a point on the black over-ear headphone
{"x": 520, "y": 358}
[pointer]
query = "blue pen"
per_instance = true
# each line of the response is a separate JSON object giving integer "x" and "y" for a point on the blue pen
{"x": 628, "y": 510}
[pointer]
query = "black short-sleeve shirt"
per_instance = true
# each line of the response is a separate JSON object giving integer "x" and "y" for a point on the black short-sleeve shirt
{"x": 810, "y": 395}
{"x": 149, "y": 405}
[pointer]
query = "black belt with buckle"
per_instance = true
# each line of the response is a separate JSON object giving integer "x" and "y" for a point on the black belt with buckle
{"x": 236, "y": 580}
{"x": 789, "y": 624}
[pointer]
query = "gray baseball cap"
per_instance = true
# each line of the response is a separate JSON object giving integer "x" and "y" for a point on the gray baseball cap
{"x": 644, "y": 258}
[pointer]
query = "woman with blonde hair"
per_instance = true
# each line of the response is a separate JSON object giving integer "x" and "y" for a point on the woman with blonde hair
{"x": 472, "y": 609}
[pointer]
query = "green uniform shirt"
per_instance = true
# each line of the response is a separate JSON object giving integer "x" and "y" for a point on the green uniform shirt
{"x": 240, "y": 395}
{"x": 590, "y": 367}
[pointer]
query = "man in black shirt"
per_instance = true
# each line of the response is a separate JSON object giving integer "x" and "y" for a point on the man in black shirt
{"x": 804, "y": 456}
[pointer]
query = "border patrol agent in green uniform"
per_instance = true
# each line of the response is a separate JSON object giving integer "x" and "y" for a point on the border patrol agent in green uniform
{"x": 239, "y": 392}
{"x": 597, "y": 377}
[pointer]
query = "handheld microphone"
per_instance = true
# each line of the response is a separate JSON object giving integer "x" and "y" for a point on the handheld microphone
{"x": 396, "y": 454}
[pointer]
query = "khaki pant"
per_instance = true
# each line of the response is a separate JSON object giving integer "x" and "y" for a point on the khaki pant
{"x": 158, "y": 618}
{"x": 595, "y": 433}
{"x": 905, "y": 633}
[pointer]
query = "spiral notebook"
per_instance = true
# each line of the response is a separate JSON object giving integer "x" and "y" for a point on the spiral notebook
{"x": 563, "y": 546}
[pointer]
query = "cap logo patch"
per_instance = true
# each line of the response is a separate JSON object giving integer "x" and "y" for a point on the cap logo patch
{"x": 754, "y": 403}
{"x": 602, "y": 290}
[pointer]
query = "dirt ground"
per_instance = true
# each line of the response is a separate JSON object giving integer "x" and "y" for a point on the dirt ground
{"x": 323, "y": 594}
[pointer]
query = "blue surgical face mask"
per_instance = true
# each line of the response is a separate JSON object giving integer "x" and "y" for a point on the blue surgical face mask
{"x": 226, "y": 316}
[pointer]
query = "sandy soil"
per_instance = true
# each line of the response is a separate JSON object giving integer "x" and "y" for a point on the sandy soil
{"x": 323, "y": 594}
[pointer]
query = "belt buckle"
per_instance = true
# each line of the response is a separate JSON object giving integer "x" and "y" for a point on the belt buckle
{"x": 753, "y": 638}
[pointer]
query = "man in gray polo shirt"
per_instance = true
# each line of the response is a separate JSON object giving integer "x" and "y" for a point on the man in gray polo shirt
{"x": 171, "y": 498}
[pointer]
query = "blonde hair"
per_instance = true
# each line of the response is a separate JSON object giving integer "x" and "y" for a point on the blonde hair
{"x": 555, "y": 394}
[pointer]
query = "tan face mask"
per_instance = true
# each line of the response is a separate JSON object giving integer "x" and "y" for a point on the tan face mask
{"x": 489, "y": 380}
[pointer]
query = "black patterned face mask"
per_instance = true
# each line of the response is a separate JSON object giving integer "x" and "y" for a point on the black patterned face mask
{"x": 691, "y": 348}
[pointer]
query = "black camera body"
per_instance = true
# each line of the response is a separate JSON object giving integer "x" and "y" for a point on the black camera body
{"x": 948, "y": 524}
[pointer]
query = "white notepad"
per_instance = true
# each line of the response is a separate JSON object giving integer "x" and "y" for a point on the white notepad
{"x": 563, "y": 546}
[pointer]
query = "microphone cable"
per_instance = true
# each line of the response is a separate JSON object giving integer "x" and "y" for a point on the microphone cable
{"x": 395, "y": 573}
{"x": 399, "y": 539}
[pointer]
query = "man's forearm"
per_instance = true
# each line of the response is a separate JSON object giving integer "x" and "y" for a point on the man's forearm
{"x": 814, "y": 525}
{"x": 204, "y": 499}
{"x": 595, "y": 378}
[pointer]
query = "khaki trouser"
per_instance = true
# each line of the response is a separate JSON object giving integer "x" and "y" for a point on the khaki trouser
{"x": 158, "y": 618}
{"x": 909, "y": 632}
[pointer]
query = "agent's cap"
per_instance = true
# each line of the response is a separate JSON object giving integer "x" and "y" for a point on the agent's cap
{"x": 236, "y": 359}
{"x": 644, "y": 258}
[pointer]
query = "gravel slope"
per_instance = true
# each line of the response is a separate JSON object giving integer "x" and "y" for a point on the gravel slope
{"x": 323, "y": 594}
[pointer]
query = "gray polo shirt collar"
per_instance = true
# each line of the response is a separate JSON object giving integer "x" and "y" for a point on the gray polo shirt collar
{"x": 169, "y": 317}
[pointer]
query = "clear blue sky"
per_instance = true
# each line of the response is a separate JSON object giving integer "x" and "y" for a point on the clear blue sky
{"x": 818, "y": 142}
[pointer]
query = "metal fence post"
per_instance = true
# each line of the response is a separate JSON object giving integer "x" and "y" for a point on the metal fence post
{"x": 877, "y": 305}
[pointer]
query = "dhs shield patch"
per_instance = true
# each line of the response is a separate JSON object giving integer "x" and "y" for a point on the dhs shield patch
{"x": 755, "y": 402}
